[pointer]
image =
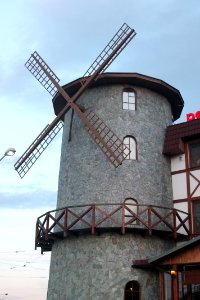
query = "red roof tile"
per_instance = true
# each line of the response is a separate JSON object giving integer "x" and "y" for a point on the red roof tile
{"x": 176, "y": 134}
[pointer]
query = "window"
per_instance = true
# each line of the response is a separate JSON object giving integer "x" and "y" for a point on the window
{"x": 128, "y": 99}
{"x": 132, "y": 291}
{"x": 130, "y": 142}
{"x": 194, "y": 150}
{"x": 196, "y": 214}
{"x": 131, "y": 204}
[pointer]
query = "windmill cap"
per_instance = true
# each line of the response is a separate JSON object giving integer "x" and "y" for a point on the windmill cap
{"x": 159, "y": 86}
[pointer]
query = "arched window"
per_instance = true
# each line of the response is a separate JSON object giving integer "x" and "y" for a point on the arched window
{"x": 132, "y": 291}
{"x": 131, "y": 143}
{"x": 128, "y": 99}
{"x": 131, "y": 208}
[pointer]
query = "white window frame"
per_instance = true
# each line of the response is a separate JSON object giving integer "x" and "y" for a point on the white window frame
{"x": 131, "y": 143}
{"x": 128, "y": 99}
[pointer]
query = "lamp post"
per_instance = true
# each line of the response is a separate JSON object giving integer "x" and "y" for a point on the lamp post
{"x": 9, "y": 152}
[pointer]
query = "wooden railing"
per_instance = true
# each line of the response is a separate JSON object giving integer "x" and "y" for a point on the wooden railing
{"x": 96, "y": 218}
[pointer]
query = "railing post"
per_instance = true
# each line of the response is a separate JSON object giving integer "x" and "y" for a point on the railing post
{"x": 149, "y": 221}
{"x": 93, "y": 219}
{"x": 47, "y": 228}
{"x": 66, "y": 222}
{"x": 174, "y": 224}
{"x": 36, "y": 234}
{"x": 123, "y": 219}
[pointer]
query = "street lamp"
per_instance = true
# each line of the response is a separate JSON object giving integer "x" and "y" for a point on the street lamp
{"x": 6, "y": 294}
{"x": 9, "y": 152}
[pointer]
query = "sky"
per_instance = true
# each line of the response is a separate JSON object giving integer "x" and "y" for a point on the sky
{"x": 69, "y": 35}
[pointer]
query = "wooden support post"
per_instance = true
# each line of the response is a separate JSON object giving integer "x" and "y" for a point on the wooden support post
{"x": 161, "y": 285}
{"x": 175, "y": 283}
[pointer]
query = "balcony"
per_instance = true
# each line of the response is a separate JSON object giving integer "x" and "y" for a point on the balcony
{"x": 99, "y": 218}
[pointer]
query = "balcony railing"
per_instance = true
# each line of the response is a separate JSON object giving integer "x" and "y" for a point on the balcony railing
{"x": 97, "y": 218}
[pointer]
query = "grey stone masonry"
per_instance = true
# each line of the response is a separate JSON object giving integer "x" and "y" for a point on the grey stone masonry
{"x": 86, "y": 176}
{"x": 99, "y": 267}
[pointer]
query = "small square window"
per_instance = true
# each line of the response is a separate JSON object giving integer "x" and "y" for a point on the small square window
{"x": 125, "y": 105}
{"x": 125, "y": 96}
{"x": 131, "y": 98}
{"x": 131, "y": 106}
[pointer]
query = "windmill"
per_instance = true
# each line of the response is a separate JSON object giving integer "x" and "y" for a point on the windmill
{"x": 100, "y": 133}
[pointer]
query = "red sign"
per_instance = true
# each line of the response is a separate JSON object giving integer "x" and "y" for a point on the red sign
{"x": 191, "y": 116}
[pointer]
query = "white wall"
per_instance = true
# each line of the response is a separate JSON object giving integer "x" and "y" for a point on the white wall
{"x": 179, "y": 186}
{"x": 178, "y": 162}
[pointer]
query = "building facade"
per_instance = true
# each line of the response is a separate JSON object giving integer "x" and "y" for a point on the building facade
{"x": 182, "y": 144}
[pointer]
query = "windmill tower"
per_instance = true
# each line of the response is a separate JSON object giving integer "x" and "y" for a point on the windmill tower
{"x": 109, "y": 211}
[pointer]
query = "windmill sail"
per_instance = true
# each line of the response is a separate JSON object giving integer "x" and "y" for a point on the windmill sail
{"x": 26, "y": 161}
{"x": 119, "y": 41}
{"x": 40, "y": 70}
{"x": 43, "y": 73}
{"x": 106, "y": 139}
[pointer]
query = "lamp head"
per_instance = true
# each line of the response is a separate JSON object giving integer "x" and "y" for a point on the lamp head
{"x": 10, "y": 152}
{"x": 173, "y": 272}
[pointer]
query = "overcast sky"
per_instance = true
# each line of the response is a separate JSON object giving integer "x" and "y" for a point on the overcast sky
{"x": 69, "y": 35}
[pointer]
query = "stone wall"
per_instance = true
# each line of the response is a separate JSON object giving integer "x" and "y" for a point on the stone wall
{"x": 98, "y": 268}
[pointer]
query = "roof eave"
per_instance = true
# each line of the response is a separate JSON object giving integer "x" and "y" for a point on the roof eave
{"x": 172, "y": 94}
